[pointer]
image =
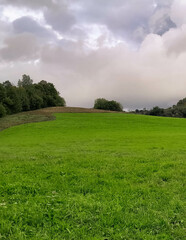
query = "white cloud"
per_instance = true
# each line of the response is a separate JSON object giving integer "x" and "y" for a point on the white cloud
{"x": 15, "y": 48}
{"x": 11, "y": 13}
{"x": 34, "y": 4}
{"x": 178, "y": 11}
{"x": 175, "y": 40}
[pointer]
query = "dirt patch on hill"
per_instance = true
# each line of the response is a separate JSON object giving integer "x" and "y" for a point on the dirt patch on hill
{"x": 52, "y": 110}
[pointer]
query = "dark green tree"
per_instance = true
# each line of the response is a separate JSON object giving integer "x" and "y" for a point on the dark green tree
{"x": 13, "y": 101}
{"x": 28, "y": 96}
{"x": 25, "y": 82}
{"x": 2, "y": 93}
{"x": 49, "y": 94}
{"x": 7, "y": 83}
{"x": 156, "y": 111}
{"x": 2, "y": 110}
{"x": 25, "y": 103}
{"x": 35, "y": 100}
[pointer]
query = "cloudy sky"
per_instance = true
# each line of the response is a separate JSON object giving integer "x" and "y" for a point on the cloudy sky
{"x": 132, "y": 51}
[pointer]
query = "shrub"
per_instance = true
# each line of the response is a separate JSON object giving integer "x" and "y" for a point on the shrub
{"x": 156, "y": 111}
{"x": 104, "y": 104}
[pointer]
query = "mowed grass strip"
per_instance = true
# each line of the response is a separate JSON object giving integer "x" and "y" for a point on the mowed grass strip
{"x": 93, "y": 176}
{"x": 23, "y": 118}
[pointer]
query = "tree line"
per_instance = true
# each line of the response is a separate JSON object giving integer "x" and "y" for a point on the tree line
{"x": 178, "y": 110}
{"x": 28, "y": 96}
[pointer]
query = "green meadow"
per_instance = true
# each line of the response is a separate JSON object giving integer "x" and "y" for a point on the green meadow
{"x": 93, "y": 176}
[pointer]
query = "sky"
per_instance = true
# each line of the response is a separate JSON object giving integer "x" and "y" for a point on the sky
{"x": 131, "y": 51}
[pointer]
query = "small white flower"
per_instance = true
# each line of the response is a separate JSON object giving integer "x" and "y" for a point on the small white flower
{"x": 3, "y": 204}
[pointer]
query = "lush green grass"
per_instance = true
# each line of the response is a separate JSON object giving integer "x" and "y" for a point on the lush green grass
{"x": 93, "y": 176}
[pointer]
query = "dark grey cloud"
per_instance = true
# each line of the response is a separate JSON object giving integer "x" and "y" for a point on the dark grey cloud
{"x": 122, "y": 18}
{"x": 56, "y": 13}
{"x": 160, "y": 22}
{"x": 130, "y": 20}
{"x": 59, "y": 18}
{"x": 28, "y": 25}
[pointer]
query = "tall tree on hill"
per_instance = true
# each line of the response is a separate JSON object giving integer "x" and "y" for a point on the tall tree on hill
{"x": 33, "y": 100}
{"x": 25, "y": 102}
{"x": 28, "y": 96}
{"x": 36, "y": 101}
{"x": 2, "y": 93}
{"x": 12, "y": 101}
{"x": 49, "y": 94}
{"x": 25, "y": 82}
{"x": 2, "y": 100}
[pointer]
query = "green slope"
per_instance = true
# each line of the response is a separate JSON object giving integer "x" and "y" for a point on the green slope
{"x": 93, "y": 176}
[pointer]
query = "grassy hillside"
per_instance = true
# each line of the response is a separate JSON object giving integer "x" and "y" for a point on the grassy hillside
{"x": 93, "y": 176}
{"x": 40, "y": 115}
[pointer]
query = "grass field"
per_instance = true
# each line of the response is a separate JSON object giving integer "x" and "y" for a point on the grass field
{"x": 93, "y": 176}
{"x": 40, "y": 115}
